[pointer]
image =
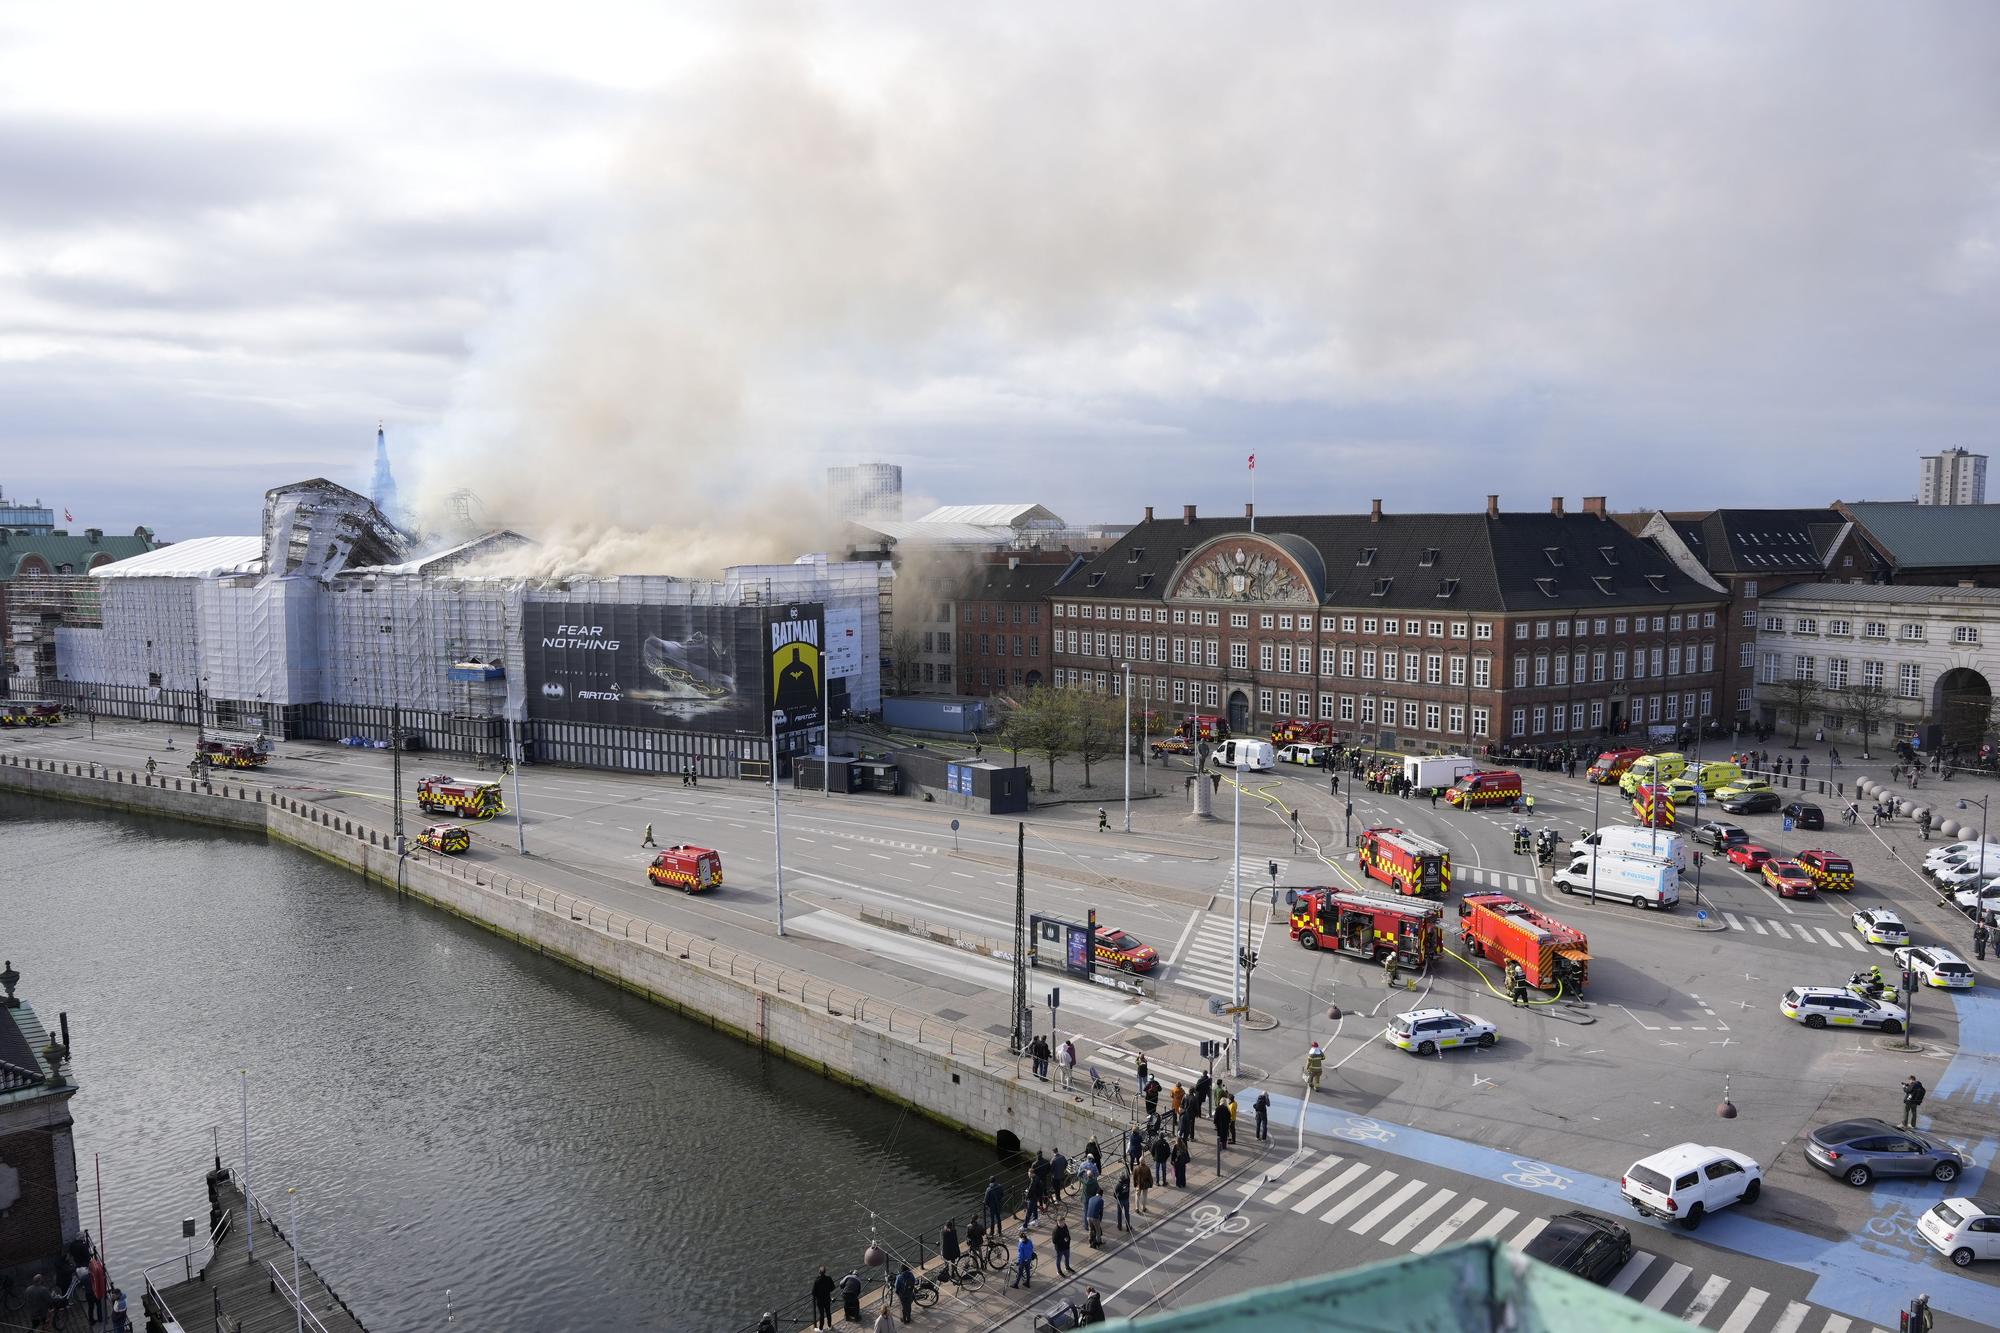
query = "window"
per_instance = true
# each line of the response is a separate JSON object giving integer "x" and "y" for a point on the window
{"x": 1871, "y": 674}
{"x": 1213, "y": 621}
{"x": 1597, "y": 665}
{"x": 1576, "y": 717}
{"x": 1180, "y": 691}
{"x": 1522, "y": 629}
{"x": 1707, "y": 620}
{"x": 1482, "y": 630}
{"x": 1458, "y": 668}
{"x": 1455, "y": 719}
{"x": 1749, "y": 620}
{"x": 1597, "y": 713}
{"x": 1367, "y": 711}
{"x": 1239, "y": 620}
{"x": 1556, "y": 718}
{"x": 1366, "y": 556}
{"x": 1459, "y": 629}
{"x": 1707, "y": 703}
{"x": 1391, "y": 664}
{"x": 1264, "y": 656}
{"x": 1117, "y": 613}
{"x": 1264, "y": 702}
{"x": 1180, "y": 617}
{"x": 1017, "y": 645}
{"x": 1326, "y": 624}
{"x": 1562, "y": 669}
{"x": 1805, "y": 667}
{"x": 1906, "y": 680}
{"x": 1211, "y": 693}
{"x": 1804, "y": 624}
{"x": 1412, "y": 627}
{"x": 1210, "y": 648}
{"x": 1657, "y": 655}
{"x": 1874, "y": 629}
{"x": 1742, "y": 701}
{"x": 1562, "y": 629}
{"x": 1347, "y": 661}
{"x": 1434, "y": 629}
{"x": 1745, "y": 655}
{"x": 1482, "y": 673}
{"x": 1965, "y": 634}
{"x": 1541, "y": 669}
{"x": 1159, "y": 647}
{"x": 1673, "y": 659}
{"x": 1326, "y": 708}
{"x": 1346, "y": 708}
{"x": 1653, "y": 709}
{"x": 1673, "y": 708}
{"x": 1410, "y": 715}
{"x": 1541, "y": 719}
{"x": 1912, "y": 633}
{"x": 1410, "y": 666}
{"x": 1367, "y": 664}
{"x": 1303, "y": 655}
{"x": 1368, "y": 625}
{"x": 1239, "y": 655}
{"x": 1285, "y": 622}
{"x": 1145, "y": 647}
{"x": 1433, "y": 716}
{"x": 1480, "y": 724}
{"x": 1268, "y": 621}
{"x": 1554, "y": 555}
{"x": 1389, "y": 624}
{"x": 1542, "y": 626}
{"x": 1673, "y": 622}
{"x": 1521, "y": 673}
{"x": 1842, "y": 627}
{"x": 1749, "y": 587}
{"x": 1836, "y": 672}
{"x": 986, "y": 644}
{"x": 1638, "y": 664}
{"x": 1767, "y": 669}
{"x": 1618, "y": 625}
{"x": 1708, "y": 657}
{"x": 1427, "y": 557}
{"x": 1597, "y": 625}
{"x": 1180, "y": 650}
{"x": 1325, "y": 661}
{"x": 1346, "y": 625}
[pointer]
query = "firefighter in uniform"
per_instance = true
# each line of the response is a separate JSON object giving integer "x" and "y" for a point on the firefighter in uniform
{"x": 1521, "y": 839}
{"x": 1392, "y": 969}
{"x": 1517, "y": 984}
{"x": 1315, "y": 1062}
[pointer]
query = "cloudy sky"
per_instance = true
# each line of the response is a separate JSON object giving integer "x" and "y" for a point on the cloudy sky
{"x": 628, "y": 267}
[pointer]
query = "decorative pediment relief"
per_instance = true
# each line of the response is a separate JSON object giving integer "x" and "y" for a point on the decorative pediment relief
{"x": 1241, "y": 570}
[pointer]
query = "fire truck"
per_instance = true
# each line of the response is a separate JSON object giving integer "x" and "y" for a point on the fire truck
{"x": 1299, "y": 730}
{"x": 1493, "y": 786}
{"x": 441, "y": 794}
{"x": 1653, "y": 805}
{"x": 1405, "y": 861}
{"x": 225, "y": 752}
{"x": 1204, "y": 727}
{"x": 1551, "y": 954}
{"x": 687, "y": 868}
{"x": 1611, "y": 765}
{"x": 1367, "y": 925}
{"x": 29, "y": 713}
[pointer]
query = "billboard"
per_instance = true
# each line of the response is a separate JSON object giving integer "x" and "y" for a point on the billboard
{"x": 635, "y": 665}
{"x": 843, "y": 643}
{"x": 796, "y": 663}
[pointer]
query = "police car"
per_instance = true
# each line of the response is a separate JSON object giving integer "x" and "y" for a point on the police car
{"x": 1428, "y": 1031}
{"x": 1936, "y": 966}
{"x": 1879, "y": 925}
{"x": 1831, "y": 1006}
{"x": 1302, "y": 753}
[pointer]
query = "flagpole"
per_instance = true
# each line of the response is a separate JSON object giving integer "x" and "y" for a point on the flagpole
{"x": 1253, "y": 492}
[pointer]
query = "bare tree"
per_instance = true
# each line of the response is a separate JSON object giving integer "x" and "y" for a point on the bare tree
{"x": 1869, "y": 705}
{"x": 903, "y": 649}
{"x": 1798, "y": 699}
{"x": 1097, "y": 727}
{"x": 1038, "y": 723}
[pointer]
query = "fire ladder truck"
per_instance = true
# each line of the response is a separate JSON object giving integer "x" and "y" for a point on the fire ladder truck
{"x": 441, "y": 794}
{"x": 1407, "y": 862}
{"x": 1367, "y": 925}
{"x": 1551, "y": 954}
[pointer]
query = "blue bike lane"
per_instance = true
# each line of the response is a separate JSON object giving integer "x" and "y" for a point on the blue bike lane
{"x": 1869, "y": 1276}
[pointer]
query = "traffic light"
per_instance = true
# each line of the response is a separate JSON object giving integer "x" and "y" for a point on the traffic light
{"x": 1909, "y": 981}
{"x": 1248, "y": 958}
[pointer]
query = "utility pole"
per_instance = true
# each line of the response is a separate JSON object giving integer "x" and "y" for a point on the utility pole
{"x": 520, "y": 817}
{"x": 1015, "y": 1042}
{"x": 1128, "y": 752}
{"x": 777, "y": 824}
{"x": 1236, "y": 928}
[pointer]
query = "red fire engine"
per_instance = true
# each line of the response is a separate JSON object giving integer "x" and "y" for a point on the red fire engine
{"x": 1653, "y": 805}
{"x": 689, "y": 869}
{"x": 1298, "y": 730}
{"x": 1367, "y": 925}
{"x": 1493, "y": 786}
{"x": 1551, "y": 954}
{"x": 441, "y": 794}
{"x": 1405, "y": 861}
{"x": 29, "y": 713}
{"x": 231, "y": 754}
{"x": 1204, "y": 727}
{"x": 1611, "y": 765}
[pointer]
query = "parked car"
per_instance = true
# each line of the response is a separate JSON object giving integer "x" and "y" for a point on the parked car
{"x": 1722, "y": 836}
{"x": 1742, "y": 787}
{"x": 1302, "y": 753}
{"x": 1975, "y": 901}
{"x": 1828, "y": 871}
{"x": 1963, "y": 1229}
{"x": 1751, "y": 802}
{"x": 1859, "y": 1150}
{"x": 1961, "y": 873}
{"x": 1591, "y": 1247}
{"x": 1958, "y": 851}
{"x": 1833, "y": 1006}
{"x": 1936, "y": 965}
{"x": 1428, "y": 1031}
{"x": 1804, "y": 815}
{"x": 1688, "y": 1181}
{"x": 1790, "y": 879}
{"x": 1748, "y": 856}
{"x": 1879, "y": 925}
{"x": 1171, "y": 745}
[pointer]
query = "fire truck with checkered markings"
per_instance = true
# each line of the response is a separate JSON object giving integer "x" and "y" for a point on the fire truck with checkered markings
{"x": 1367, "y": 925}
{"x": 1493, "y": 786}
{"x": 1653, "y": 805}
{"x": 1405, "y": 861}
{"x": 441, "y": 794}
{"x": 688, "y": 868}
{"x": 1551, "y": 954}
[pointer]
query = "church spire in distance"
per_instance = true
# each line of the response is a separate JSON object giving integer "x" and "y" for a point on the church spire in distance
{"x": 382, "y": 491}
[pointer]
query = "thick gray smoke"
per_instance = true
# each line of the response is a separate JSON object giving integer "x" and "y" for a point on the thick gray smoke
{"x": 828, "y": 234}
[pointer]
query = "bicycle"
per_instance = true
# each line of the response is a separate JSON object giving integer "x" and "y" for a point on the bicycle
{"x": 1100, "y": 1087}
{"x": 963, "y": 1272}
{"x": 927, "y": 1293}
{"x": 995, "y": 1253}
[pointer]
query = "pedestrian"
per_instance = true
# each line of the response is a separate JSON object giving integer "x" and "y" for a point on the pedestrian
{"x": 121, "y": 1319}
{"x": 822, "y": 1293}
{"x": 1530, "y": 798}
{"x": 1188, "y": 1118}
{"x": 1121, "y": 1194}
{"x": 1176, "y": 1099}
{"x": 1160, "y": 1154}
{"x": 906, "y": 1290}
{"x": 1031, "y": 1203}
{"x": 1805, "y": 766}
{"x": 1315, "y": 1062}
{"x": 100, "y": 1285}
{"x": 768, "y": 1324}
{"x": 36, "y": 1300}
{"x": 1262, "y": 1106}
{"x": 1093, "y": 1308}
{"x": 1093, "y": 1218}
{"x": 1058, "y": 1175}
{"x": 1103, "y": 821}
{"x": 1059, "y": 1241}
{"x": 1517, "y": 984}
{"x": 647, "y": 841}
{"x": 1222, "y": 1124}
{"x": 1141, "y": 1072}
{"x": 1913, "y": 1097}
{"x": 1833, "y": 756}
{"x": 1434, "y": 796}
{"x": 1067, "y": 1060}
{"x": 948, "y": 1247}
{"x": 996, "y": 1203}
{"x": 1391, "y": 969}
{"x": 1924, "y": 825}
{"x": 1980, "y": 934}
{"x": 1142, "y": 1181}
{"x": 1152, "y": 1098}
{"x": 1038, "y": 1057}
{"x": 850, "y": 1298}
{"x": 1298, "y": 834}
{"x": 1333, "y": 784}
{"x": 885, "y": 1322}
{"x": 1202, "y": 1087}
{"x": 975, "y": 1242}
{"x": 1181, "y": 1157}
{"x": 1024, "y": 1264}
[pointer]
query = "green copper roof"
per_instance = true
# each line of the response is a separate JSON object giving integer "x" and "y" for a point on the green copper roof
{"x": 1481, "y": 1285}
{"x": 76, "y": 550}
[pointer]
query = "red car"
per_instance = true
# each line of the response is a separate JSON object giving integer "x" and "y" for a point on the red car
{"x": 1748, "y": 856}
{"x": 1790, "y": 879}
{"x": 1117, "y": 949}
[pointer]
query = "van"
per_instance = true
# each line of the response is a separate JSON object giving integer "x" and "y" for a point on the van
{"x": 1632, "y": 841}
{"x": 1714, "y": 775}
{"x": 1643, "y": 881}
{"x": 1243, "y": 755}
{"x": 1652, "y": 768}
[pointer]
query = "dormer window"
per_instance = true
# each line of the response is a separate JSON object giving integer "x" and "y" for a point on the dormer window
{"x": 1137, "y": 554}
{"x": 1145, "y": 581}
{"x": 1382, "y": 587}
{"x": 1609, "y": 553}
{"x": 1548, "y": 587}
{"x": 1428, "y": 558}
{"x": 1659, "y": 582}
{"x": 1604, "y": 585}
{"x": 1554, "y": 554}
{"x": 1096, "y": 579}
{"x": 1447, "y": 588}
{"x": 1367, "y": 557}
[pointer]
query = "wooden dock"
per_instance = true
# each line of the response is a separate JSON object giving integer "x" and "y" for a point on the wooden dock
{"x": 232, "y": 1293}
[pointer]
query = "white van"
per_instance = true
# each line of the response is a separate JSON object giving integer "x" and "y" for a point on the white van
{"x": 1643, "y": 881}
{"x": 1637, "y": 841}
{"x": 1242, "y": 755}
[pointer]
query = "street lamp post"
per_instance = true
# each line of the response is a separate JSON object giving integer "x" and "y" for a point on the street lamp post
{"x": 777, "y": 820}
{"x": 1128, "y": 747}
{"x": 1236, "y": 927}
{"x": 1596, "y": 800}
{"x": 1979, "y": 881}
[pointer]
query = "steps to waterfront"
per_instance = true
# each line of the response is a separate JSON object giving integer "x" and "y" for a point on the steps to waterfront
{"x": 248, "y": 1289}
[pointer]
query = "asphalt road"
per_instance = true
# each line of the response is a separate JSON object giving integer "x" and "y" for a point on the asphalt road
{"x": 1676, "y": 1010}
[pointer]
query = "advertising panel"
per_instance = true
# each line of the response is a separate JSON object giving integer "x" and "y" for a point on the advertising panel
{"x": 621, "y": 664}
{"x": 843, "y": 643}
{"x": 795, "y": 665}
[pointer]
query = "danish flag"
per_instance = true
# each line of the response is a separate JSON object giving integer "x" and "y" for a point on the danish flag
{"x": 1253, "y": 462}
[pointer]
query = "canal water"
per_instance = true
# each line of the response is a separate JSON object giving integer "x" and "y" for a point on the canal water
{"x": 455, "y": 1112}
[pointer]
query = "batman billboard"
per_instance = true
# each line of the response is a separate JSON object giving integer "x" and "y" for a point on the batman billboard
{"x": 702, "y": 668}
{"x": 797, "y": 664}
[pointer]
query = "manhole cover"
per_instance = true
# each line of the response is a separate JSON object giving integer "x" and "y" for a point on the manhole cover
{"x": 1146, "y": 1043}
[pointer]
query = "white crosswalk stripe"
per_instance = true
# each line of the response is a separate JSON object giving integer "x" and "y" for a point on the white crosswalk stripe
{"x": 1705, "y": 1299}
{"x": 1380, "y": 1213}
{"x": 1832, "y": 939}
{"x": 1746, "y": 1310}
{"x": 1298, "y": 1180}
{"x": 1179, "y": 1027}
{"x": 1630, "y": 1273}
{"x": 1446, "y": 1229}
{"x": 1836, "y": 1324}
{"x": 1207, "y": 961}
{"x": 1326, "y": 1191}
{"x": 1495, "y": 1224}
{"x": 1417, "y": 1216}
{"x": 1359, "y": 1195}
{"x": 1793, "y": 1317}
{"x": 1527, "y": 1233}
{"x": 1663, "y": 1291}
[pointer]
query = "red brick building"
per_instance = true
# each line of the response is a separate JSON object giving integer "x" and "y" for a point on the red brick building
{"x": 1410, "y": 631}
{"x": 1003, "y": 631}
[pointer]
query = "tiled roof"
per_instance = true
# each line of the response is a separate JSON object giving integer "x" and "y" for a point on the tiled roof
{"x": 1754, "y": 541}
{"x": 1932, "y": 536}
{"x": 21, "y": 1040}
{"x": 1026, "y": 582}
{"x": 59, "y": 548}
{"x": 1432, "y": 562}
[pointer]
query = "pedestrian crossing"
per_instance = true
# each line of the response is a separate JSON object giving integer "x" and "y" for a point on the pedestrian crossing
{"x": 1207, "y": 961}
{"x": 1119, "y": 1063}
{"x": 1515, "y": 885}
{"x": 1789, "y": 930}
{"x": 1407, "y": 1212}
{"x": 1256, "y": 873}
